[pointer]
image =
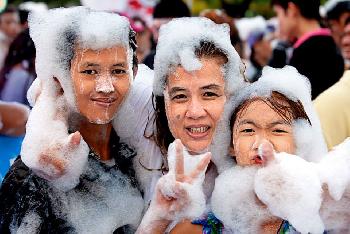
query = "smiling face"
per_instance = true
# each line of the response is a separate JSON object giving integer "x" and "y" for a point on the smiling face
{"x": 194, "y": 102}
{"x": 258, "y": 122}
{"x": 100, "y": 81}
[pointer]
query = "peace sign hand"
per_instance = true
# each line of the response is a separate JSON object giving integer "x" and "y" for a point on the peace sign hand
{"x": 178, "y": 195}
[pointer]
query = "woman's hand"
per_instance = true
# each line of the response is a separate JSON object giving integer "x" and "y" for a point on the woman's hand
{"x": 172, "y": 197}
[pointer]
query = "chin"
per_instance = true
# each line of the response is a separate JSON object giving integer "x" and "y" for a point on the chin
{"x": 100, "y": 120}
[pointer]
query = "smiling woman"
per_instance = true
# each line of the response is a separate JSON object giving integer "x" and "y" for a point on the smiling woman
{"x": 101, "y": 81}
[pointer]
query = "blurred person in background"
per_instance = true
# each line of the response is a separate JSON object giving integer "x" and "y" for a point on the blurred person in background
{"x": 259, "y": 43}
{"x": 315, "y": 53}
{"x": 333, "y": 105}
{"x": 164, "y": 11}
{"x": 9, "y": 29}
{"x": 345, "y": 43}
{"x": 18, "y": 72}
{"x": 220, "y": 17}
{"x": 143, "y": 37}
{"x": 336, "y": 14}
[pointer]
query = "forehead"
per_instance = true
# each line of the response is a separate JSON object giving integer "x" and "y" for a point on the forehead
{"x": 211, "y": 72}
{"x": 260, "y": 111}
{"x": 115, "y": 53}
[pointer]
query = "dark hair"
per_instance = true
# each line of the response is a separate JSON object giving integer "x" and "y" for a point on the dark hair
{"x": 66, "y": 46}
{"x": 23, "y": 16}
{"x": 9, "y": 9}
{"x": 171, "y": 9}
{"x": 308, "y": 8}
{"x": 347, "y": 21}
{"x": 162, "y": 136}
{"x": 21, "y": 49}
{"x": 289, "y": 110}
{"x": 337, "y": 10}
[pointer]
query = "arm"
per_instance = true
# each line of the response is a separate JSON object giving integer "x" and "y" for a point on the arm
{"x": 13, "y": 118}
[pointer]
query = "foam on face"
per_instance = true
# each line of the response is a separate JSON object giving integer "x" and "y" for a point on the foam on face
{"x": 296, "y": 87}
{"x": 175, "y": 48}
{"x": 77, "y": 26}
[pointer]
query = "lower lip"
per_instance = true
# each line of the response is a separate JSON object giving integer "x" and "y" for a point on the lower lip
{"x": 258, "y": 161}
{"x": 103, "y": 104}
{"x": 198, "y": 135}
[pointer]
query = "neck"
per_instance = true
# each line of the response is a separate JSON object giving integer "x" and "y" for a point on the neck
{"x": 306, "y": 26}
{"x": 97, "y": 136}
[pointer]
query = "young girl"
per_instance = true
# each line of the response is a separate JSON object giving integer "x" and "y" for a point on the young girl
{"x": 266, "y": 189}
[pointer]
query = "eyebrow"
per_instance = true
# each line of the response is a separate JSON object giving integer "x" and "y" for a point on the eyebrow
{"x": 282, "y": 122}
{"x": 249, "y": 121}
{"x": 212, "y": 86}
{"x": 119, "y": 65}
{"x": 91, "y": 64}
{"x": 176, "y": 89}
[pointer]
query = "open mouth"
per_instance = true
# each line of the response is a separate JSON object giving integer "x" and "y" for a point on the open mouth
{"x": 198, "y": 131}
{"x": 258, "y": 160}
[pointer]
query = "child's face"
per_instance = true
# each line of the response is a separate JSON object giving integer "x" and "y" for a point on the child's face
{"x": 255, "y": 124}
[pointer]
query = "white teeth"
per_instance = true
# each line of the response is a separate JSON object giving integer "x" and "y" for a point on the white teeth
{"x": 199, "y": 130}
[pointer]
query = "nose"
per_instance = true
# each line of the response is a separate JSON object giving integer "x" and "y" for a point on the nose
{"x": 104, "y": 84}
{"x": 260, "y": 139}
{"x": 195, "y": 109}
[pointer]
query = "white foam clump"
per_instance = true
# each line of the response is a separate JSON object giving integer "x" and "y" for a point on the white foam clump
{"x": 292, "y": 189}
{"x": 47, "y": 129}
{"x": 177, "y": 42}
{"x": 72, "y": 26}
{"x": 295, "y": 87}
{"x": 234, "y": 202}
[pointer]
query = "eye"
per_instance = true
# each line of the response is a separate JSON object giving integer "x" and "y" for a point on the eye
{"x": 179, "y": 97}
{"x": 247, "y": 130}
{"x": 279, "y": 131}
{"x": 118, "y": 71}
{"x": 89, "y": 72}
{"x": 211, "y": 94}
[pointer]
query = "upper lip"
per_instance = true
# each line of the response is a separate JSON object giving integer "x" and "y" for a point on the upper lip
{"x": 103, "y": 99}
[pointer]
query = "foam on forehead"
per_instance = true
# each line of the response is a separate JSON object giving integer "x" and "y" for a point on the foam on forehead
{"x": 295, "y": 87}
{"x": 57, "y": 32}
{"x": 177, "y": 42}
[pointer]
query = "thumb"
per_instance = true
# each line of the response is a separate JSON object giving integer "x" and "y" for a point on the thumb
{"x": 74, "y": 139}
{"x": 266, "y": 152}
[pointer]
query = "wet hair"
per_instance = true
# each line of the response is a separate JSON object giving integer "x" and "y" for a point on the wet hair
{"x": 67, "y": 45}
{"x": 162, "y": 135}
{"x": 308, "y": 8}
{"x": 21, "y": 49}
{"x": 289, "y": 110}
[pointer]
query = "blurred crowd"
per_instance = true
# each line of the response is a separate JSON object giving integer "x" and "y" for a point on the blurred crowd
{"x": 313, "y": 38}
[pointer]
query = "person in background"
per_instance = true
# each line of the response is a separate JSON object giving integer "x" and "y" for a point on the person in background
{"x": 163, "y": 12}
{"x": 336, "y": 14}
{"x": 143, "y": 37}
{"x": 220, "y": 17}
{"x": 18, "y": 72}
{"x": 9, "y": 29}
{"x": 345, "y": 43}
{"x": 315, "y": 53}
{"x": 13, "y": 118}
{"x": 333, "y": 105}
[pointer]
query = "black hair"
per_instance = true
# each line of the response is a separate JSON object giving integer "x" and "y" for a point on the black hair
{"x": 66, "y": 46}
{"x": 171, "y": 9}
{"x": 339, "y": 8}
{"x": 308, "y": 8}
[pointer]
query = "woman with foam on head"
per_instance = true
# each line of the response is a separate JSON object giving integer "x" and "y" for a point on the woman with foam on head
{"x": 282, "y": 163}
{"x": 85, "y": 63}
{"x": 195, "y": 72}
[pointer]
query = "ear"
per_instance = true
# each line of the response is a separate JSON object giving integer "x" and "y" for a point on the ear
{"x": 60, "y": 90}
{"x": 293, "y": 10}
{"x": 232, "y": 151}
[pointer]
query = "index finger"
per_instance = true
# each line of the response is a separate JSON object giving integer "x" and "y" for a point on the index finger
{"x": 179, "y": 165}
{"x": 201, "y": 166}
